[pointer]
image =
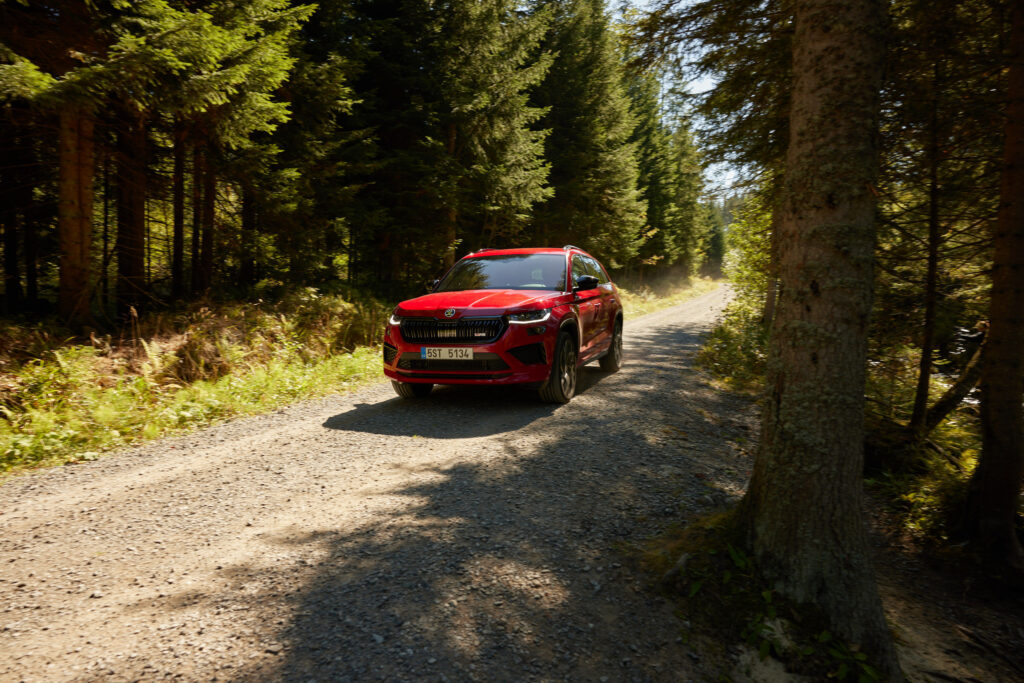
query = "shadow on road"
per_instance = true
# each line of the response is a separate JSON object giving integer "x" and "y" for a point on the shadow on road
{"x": 456, "y": 411}
{"x": 506, "y": 569}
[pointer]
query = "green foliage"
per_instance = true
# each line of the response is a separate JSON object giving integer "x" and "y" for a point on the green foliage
{"x": 205, "y": 366}
{"x": 748, "y": 255}
{"x": 594, "y": 173}
{"x": 736, "y": 350}
{"x": 669, "y": 179}
{"x": 927, "y": 502}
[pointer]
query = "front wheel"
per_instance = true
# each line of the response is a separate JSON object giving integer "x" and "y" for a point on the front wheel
{"x": 409, "y": 390}
{"x": 561, "y": 385}
{"x": 612, "y": 360}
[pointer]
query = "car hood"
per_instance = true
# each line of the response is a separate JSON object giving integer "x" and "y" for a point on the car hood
{"x": 477, "y": 302}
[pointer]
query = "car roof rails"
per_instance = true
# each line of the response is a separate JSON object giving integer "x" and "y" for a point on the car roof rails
{"x": 571, "y": 246}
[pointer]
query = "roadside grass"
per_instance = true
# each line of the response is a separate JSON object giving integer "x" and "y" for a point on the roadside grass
{"x": 736, "y": 350}
{"x": 64, "y": 400}
{"x": 642, "y": 300}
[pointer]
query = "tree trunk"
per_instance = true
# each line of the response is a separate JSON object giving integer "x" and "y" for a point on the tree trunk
{"x": 105, "y": 267}
{"x": 247, "y": 265}
{"x": 451, "y": 215}
{"x": 131, "y": 213}
{"x": 197, "y": 220}
{"x": 178, "y": 203}
{"x": 11, "y": 229}
{"x": 924, "y": 372}
{"x": 954, "y": 395}
{"x": 803, "y": 510}
{"x": 74, "y": 225}
{"x": 209, "y": 215}
{"x": 995, "y": 486}
{"x": 31, "y": 235}
{"x": 15, "y": 200}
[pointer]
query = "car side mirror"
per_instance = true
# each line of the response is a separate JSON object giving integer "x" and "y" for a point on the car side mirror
{"x": 432, "y": 285}
{"x": 584, "y": 282}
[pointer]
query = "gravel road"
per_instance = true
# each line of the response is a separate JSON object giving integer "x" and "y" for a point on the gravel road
{"x": 475, "y": 535}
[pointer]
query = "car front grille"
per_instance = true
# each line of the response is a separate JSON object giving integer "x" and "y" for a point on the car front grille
{"x": 482, "y": 362}
{"x": 389, "y": 354}
{"x": 464, "y": 331}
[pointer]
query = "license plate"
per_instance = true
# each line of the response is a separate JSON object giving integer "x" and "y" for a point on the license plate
{"x": 445, "y": 353}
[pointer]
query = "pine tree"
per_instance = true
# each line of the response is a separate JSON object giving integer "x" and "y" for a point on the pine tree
{"x": 940, "y": 140}
{"x": 596, "y": 203}
{"x": 995, "y": 487}
{"x": 445, "y": 150}
{"x": 490, "y": 168}
{"x": 669, "y": 179}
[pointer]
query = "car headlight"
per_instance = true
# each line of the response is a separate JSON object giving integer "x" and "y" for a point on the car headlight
{"x": 530, "y": 317}
{"x": 395, "y": 319}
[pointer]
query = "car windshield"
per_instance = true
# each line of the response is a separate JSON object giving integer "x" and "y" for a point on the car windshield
{"x": 509, "y": 271}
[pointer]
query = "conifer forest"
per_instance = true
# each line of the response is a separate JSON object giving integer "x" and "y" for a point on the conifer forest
{"x": 192, "y": 189}
{"x": 156, "y": 152}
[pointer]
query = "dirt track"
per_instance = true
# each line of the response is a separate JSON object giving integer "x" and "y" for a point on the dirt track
{"x": 469, "y": 536}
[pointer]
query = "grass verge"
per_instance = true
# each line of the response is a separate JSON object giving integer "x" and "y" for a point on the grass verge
{"x": 641, "y": 301}
{"x": 64, "y": 401}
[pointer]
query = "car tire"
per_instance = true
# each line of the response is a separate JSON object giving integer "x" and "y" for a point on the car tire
{"x": 611, "y": 361}
{"x": 410, "y": 390}
{"x": 561, "y": 384}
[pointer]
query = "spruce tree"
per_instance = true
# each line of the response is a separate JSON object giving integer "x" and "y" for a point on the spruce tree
{"x": 445, "y": 149}
{"x": 669, "y": 179}
{"x": 490, "y": 168}
{"x": 596, "y": 203}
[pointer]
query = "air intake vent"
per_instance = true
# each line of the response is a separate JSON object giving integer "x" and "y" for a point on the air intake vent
{"x": 531, "y": 354}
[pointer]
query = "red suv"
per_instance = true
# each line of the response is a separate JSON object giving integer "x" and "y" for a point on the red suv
{"x": 507, "y": 316}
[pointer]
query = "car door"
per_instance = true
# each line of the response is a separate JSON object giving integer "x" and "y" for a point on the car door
{"x": 588, "y": 303}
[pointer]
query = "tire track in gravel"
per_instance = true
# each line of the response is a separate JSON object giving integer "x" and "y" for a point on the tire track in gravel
{"x": 470, "y": 536}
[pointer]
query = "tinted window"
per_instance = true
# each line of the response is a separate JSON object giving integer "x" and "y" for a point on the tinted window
{"x": 514, "y": 271}
{"x": 594, "y": 268}
{"x": 579, "y": 268}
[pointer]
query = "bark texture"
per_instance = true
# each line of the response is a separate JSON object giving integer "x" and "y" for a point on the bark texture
{"x": 247, "y": 248}
{"x": 131, "y": 213}
{"x": 209, "y": 226}
{"x": 178, "y": 203}
{"x": 11, "y": 233}
{"x": 995, "y": 486}
{"x": 74, "y": 223}
{"x": 803, "y": 511}
{"x": 196, "y": 280}
{"x": 924, "y": 368}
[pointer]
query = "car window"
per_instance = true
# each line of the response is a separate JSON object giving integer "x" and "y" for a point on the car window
{"x": 594, "y": 268}
{"x": 509, "y": 271}
{"x": 579, "y": 268}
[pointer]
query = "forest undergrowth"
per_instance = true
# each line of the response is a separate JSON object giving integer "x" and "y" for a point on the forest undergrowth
{"x": 65, "y": 399}
{"x": 924, "y": 485}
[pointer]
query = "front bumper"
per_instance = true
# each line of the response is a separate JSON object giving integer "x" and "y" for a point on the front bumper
{"x": 522, "y": 354}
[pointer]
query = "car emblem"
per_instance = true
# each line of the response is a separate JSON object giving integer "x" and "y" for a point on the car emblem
{"x": 450, "y": 313}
